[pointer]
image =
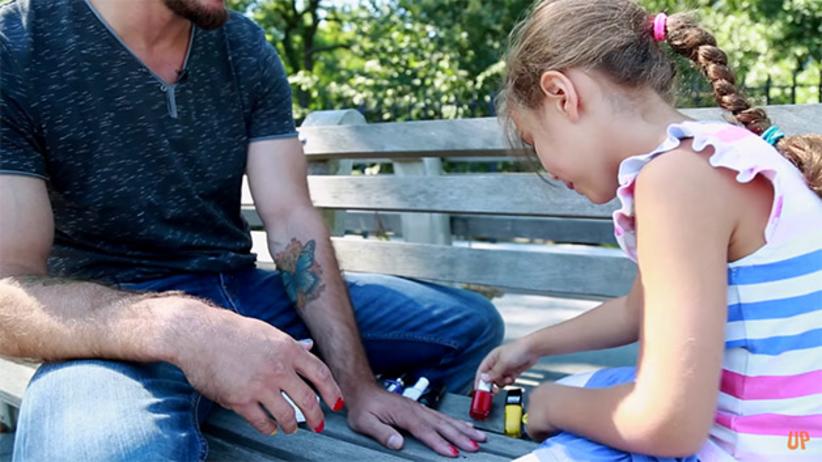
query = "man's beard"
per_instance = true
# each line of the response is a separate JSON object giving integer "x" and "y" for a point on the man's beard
{"x": 201, "y": 16}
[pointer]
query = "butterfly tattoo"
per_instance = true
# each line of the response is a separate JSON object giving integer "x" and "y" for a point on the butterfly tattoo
{"x": 302, "y": 275}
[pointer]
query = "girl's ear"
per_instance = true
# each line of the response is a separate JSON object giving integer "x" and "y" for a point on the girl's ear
{"x": 560, "y": 93}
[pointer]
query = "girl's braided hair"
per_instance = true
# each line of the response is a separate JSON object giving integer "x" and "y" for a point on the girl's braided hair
{"x": 616, "y": 37}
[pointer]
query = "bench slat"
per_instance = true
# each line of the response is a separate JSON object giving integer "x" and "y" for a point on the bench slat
{"x": 480, "y": 137}
{"x": 510, "y": 194}
{"x": 457, "y": 406}
{"x": 577, "y": 230}
{"x": 303, "y": 445}
{"x": 559, "y": 272}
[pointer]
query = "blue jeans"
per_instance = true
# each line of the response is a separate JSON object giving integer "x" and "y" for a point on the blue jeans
{"x": 100, "y": 410}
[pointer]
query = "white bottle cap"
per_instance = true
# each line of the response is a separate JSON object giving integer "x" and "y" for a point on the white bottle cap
{"x": 417, "y": 390}
{"x": 484, "y": 386}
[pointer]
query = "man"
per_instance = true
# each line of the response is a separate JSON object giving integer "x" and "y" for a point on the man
{"x": 126, "y": 129}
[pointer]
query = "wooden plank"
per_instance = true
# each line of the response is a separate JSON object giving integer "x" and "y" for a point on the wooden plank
{"x": 405, "y": 139}
{"x": 457, "y": 406}
{"x": 558, "y": 272}
{"x": 480, "y": 137}
{"x": 496, "y": 448}
{"x": 570, "y": 230}
{"x": 566, "y": 230}
{"x": 502, "y": 194}
{"x": 303, "y": 445}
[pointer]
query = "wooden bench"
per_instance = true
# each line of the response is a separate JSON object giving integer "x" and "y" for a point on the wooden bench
{"x": 432, "y": 212}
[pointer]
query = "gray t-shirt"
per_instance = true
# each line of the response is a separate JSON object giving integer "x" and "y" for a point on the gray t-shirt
{"x": 144, "y": 178}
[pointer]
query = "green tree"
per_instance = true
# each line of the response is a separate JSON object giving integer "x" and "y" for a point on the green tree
{"x": 421, "y": 59}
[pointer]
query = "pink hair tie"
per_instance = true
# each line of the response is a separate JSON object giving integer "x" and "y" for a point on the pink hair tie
{"x": 660, "y": 23}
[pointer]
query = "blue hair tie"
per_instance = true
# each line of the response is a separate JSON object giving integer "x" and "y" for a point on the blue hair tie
{"x": 772, "y": 135}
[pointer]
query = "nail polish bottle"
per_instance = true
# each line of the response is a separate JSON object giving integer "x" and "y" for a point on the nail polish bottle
{"x": 394, "y": 385}
{"x": 481, "y": 401}
{"x": 513, "y": 413}
{"x": 417, "y": 390}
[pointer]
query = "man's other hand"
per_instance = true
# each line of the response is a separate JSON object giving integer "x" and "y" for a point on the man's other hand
{"x": 244, "y": 364}
{"x": 380, "y": 414}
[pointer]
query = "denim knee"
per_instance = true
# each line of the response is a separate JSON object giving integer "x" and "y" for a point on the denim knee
{"x": 482, "y": 330}
{"x": 488, "y": 325}
{"x": 97, "y": 410}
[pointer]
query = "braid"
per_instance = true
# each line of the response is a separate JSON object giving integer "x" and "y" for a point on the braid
{"x": 694, "y": 42}
{"x": 688, "y": 39}
{"x": 805, "y": 151}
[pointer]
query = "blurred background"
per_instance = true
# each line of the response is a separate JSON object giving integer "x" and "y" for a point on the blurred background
{"x": 400, "y": 60}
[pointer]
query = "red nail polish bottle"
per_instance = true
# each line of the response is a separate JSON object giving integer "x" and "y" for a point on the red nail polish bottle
{"x": 481, "y": 401}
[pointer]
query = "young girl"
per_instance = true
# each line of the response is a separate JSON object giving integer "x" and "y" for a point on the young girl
{"x": 724, "y": 224}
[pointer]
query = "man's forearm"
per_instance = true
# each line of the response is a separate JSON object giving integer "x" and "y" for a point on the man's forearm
{"x": 302, "y": 250}
{"x": 47, "y": 318}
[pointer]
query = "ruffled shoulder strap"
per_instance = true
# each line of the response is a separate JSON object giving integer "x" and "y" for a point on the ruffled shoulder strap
{"x": 735, "y": 148}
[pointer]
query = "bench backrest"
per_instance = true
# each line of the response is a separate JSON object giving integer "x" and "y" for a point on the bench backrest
{"x": 429, "y": 208}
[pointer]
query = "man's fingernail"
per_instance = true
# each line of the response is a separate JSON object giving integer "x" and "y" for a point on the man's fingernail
{"x": 485, "y": 377}
{"x": 307, "y": 343}
{"x": 395, "y": 442}
{"x": 339, "y": 405}
{"x": 274, "y": 432}
{"x": 454, "y": 451}
{"x": 320, "y": 427}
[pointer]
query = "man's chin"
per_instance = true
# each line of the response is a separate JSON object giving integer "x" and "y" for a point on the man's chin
{"x": 208, "y": 15}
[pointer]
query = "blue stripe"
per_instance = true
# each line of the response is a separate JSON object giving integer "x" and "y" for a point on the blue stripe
{"x": 792, "y": 267}
{"x": 773, "y": 346}
{"x": 775, "y": 309}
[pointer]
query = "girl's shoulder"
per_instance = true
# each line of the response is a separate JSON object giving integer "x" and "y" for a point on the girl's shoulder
{"x": 722, "y": 163}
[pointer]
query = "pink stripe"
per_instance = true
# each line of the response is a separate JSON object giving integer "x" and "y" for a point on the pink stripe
{"x": 771, "y": 424}
{"x": 771, "y": 386}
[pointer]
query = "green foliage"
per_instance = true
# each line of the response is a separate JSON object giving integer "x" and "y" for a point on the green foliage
{"x": 423, "y": 59}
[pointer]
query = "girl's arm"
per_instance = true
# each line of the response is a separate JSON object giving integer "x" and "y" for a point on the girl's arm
{"x": 684, "y": 226}
{"x": 611, "y": 324}
{"x": 614, "y": 323}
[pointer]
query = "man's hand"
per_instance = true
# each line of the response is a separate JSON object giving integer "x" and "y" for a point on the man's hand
{"x": 243, "y": 364}
{"x": 379, "y": 414}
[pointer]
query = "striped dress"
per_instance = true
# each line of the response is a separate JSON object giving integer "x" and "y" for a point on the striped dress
{"x": 770, "y": 401}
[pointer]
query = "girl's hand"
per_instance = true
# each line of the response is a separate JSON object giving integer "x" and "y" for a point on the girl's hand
{"x": 539, "y": 424}
{"x": 505, "y": 363}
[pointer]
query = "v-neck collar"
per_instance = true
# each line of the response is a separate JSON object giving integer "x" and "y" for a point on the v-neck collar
{"x": 114, "y": 34}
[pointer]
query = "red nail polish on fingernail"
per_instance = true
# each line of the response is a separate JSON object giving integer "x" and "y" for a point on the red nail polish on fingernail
{"x": 454, "y": 451}
{"x": 320, "y": 427}
{"x": 339, "y": 405}
{"x": 474, "y": 445}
